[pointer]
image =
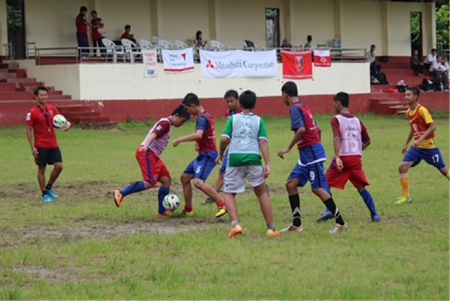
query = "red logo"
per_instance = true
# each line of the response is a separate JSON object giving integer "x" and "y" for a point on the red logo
{"x": 184, "y": 56}
{"x": 209, "y": 65}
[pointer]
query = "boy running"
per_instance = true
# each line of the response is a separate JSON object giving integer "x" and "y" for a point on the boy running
{"x": 310, "y": 165}
{"x": 44, "y": 148}
{"x": 232, "y": 100}
{"x": 148, "y": 156}
{"x": 424, "y": 146}
{"x": 200, "y": 168}
{"x": 248, "y": 135}
{"x": 350, "y": 138}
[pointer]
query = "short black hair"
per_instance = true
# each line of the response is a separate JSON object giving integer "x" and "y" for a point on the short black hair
{"x": 433, "y": 49}
{"x": 127, "y": 26}
{"x": 290, "y": 88}
{"x": 182, "y": 112}
{"x": 94, "y": 12}
{"x": 40, "y": 88}
{"x": 247, "y": 99}
{"x": 414, "y": 90}
{"x": 309, "y": 38}
{"x": 343, "y": 98}
{"x": 190, "y": 99}
{"x": 373, "y": 45}
{"x": 83, "y": 8}
{"x": 231, "y": 93}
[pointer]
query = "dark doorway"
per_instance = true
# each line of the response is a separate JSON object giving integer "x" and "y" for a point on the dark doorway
{"x": 16, "y": 28}
{"x": 272, "y": 27}
{"x": 416, "y": 32}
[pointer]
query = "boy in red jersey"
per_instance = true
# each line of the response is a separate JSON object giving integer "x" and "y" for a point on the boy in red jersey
{"x": 45, "y": 148}
{"x": 424, "y": 146}
{"x": 200, "y": 168}
{"x": 232, "y": 99}
{"x": 148, "y": 156}
{"x": 310, "y": 164}
{"x": 350, "y": 139}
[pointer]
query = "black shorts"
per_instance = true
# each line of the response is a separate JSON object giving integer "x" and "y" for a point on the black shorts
{"x": 48, "y": 156}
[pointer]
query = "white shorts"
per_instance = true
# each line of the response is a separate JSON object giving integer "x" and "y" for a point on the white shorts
{"x": 234, "y": 179}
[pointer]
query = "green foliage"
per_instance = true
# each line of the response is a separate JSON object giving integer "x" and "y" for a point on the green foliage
{"x": 14, "y": 18}
{"x": 442, "y": 25}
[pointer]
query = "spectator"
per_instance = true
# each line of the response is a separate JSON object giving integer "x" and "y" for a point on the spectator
{"x": 82, "y": 28}
{"x": 438, "y": 71}
{"x": 308, "y": 43}
{"x": 431, "y": 57}
{"x": 128, "y": 35}
{"x": 371, "y": 58}
{"x": 416, "y": 64}
{"x": 97, "y": 37}
{"x": 198, "y": 42}
{"x": 286, "y": 44}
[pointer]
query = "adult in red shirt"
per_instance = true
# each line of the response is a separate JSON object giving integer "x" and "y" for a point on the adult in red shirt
{"x": 97, "y": 37}
{"x": 82, "y": 29}
{"x": 128, "y": 35}
{"x": 44, "y": 148}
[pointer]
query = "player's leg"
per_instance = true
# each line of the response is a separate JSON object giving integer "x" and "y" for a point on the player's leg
{"x": 219, "y": 180}
{"x": 446, "y": 172}
{"x": 320, "y": 188}
{"x": 185, "y": 179}
{"x": 41, "y": 162}
{"x": 434, "y": 157}
{"x": 164, "y": 190}
{"x": 295, "y": 179}
{"x": 410, "y": 159}
{"x": 234, "y": 183}
{"x": 368, "y": 200}
{"x": 55, "y": 159}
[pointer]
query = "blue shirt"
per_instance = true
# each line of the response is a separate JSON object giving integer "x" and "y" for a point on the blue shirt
{"x": 296, "y": 117}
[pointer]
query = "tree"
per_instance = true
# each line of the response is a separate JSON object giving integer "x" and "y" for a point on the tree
{"x": 442, "y": 25}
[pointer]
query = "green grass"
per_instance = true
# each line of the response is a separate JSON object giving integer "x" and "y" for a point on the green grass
{"x": 82, "y": 247}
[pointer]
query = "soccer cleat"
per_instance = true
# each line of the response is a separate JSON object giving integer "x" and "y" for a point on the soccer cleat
{"x": 291, "y": 227}
{"x": 118, "y": 197}
{"x": 235, "y": 231}
{"x": 403, "y": 200}
{"x": 221, "y": 211}
{"x": 208, "y": 201}
{"x": 50, "y": 193}
{"x": 272, "y": 233}
{"x": 375, "y": 218}
{"x": 165, "y": 213}
{"x": 46, "y": 198}
{"x": 339, "y": 228}
{"x": 188, "y": 213}
{"x": 325, "y": 216}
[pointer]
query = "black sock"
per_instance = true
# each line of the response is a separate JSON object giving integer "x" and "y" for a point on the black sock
{"x": 294, "y": 200}
{"x": 334, "y": 210}
{"x": 48, "y": 187}
{"x": 43, "y": 192}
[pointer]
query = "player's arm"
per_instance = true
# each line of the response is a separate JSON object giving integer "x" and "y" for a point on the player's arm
{"x": 151, "y": 138}
{"x": 319, "y": 131}
{"x": 335, "y": 127}
{"x": 297, "y": 126}
{"x": 192, "y": 137}
{"x": 264, "y": 146}
{"x": 365, "y": 138}
{"x": 405, "y": 146}
{"x": 297, "y": 137}
{"x": 34, "y": 150}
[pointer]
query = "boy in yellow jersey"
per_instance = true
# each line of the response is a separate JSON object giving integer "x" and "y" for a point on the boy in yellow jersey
{"x": 424, "y": 146}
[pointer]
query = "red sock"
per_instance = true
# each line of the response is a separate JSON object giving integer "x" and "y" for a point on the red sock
{"x": 221, "y": 203}
{"x": 188, "y": 208}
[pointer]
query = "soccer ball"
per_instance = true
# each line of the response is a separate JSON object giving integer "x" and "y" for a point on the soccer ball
{"x": 171, "y": 202}
{"x": 59, "y": 121}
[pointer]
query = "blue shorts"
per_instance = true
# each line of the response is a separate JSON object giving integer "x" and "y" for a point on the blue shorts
{"x": 202, "y": 166}
{"x": 432, "y": 156}
{"x": 312, "y": 173}
{"x": 223, "y": 167}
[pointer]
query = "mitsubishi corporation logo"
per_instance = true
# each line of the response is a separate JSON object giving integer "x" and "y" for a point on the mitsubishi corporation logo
{"x": 210, "y": 65}
{"x": 184, "y": 56}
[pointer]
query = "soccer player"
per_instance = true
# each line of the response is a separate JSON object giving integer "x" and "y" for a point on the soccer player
{"x": 350, "y": 138}
{"x": 424, "y": 146}
{"x": 232, "y": 100}
{"x": 310, "y": 165}
{"x": 148, "y": 156}
{"x": 200, "y": 168}
{"x": 248, "y": 135}
{"x": 44, "y": 148}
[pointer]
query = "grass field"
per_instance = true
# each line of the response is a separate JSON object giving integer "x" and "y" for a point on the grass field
{"x": 82, "y": 247}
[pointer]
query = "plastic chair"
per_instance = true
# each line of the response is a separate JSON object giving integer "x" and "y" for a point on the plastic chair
{"x": 154, "y": 40}
{"x": 113, "y": 49}
{"x": 130, "y": 49}
{"x": 216, "y": 45}
{"x": 180, "y": 44}
{"x": 144, "y": 44}
{"x": 164, "y": 44}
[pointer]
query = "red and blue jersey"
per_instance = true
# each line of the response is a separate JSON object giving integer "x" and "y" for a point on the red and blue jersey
{"x": 208, "y": 141}
{"x": 231, "y": 113}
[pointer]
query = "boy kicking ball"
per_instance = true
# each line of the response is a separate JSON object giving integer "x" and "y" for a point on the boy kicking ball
{"x": 148, "y": 156}
{"x": 247, "y": 136}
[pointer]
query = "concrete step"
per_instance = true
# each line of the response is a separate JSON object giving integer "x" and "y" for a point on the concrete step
{"x": 9, "y": 66}
{"x": 5, "y": 75}
{"x": 20, "y": 80}
{"x": 7, "y": 87}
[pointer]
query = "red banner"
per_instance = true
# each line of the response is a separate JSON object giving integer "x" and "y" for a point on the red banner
{"x": 296, "y": 64}
{"x": 322, "y": 58}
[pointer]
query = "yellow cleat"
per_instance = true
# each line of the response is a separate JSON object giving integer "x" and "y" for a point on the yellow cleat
{"x": 189, "y": 213}
{"x": 221, "y": 211}
{"x": 235, "y": 231}
{"x": 272, "y": 233}
{"x": 403, "y": 200}
{"x": 118, "y": 197}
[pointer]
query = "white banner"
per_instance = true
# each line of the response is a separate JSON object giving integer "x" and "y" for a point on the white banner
{"x": 150, "y": 62}
{"x": 176, "y": 61}
{"x": 238, "y": 63}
